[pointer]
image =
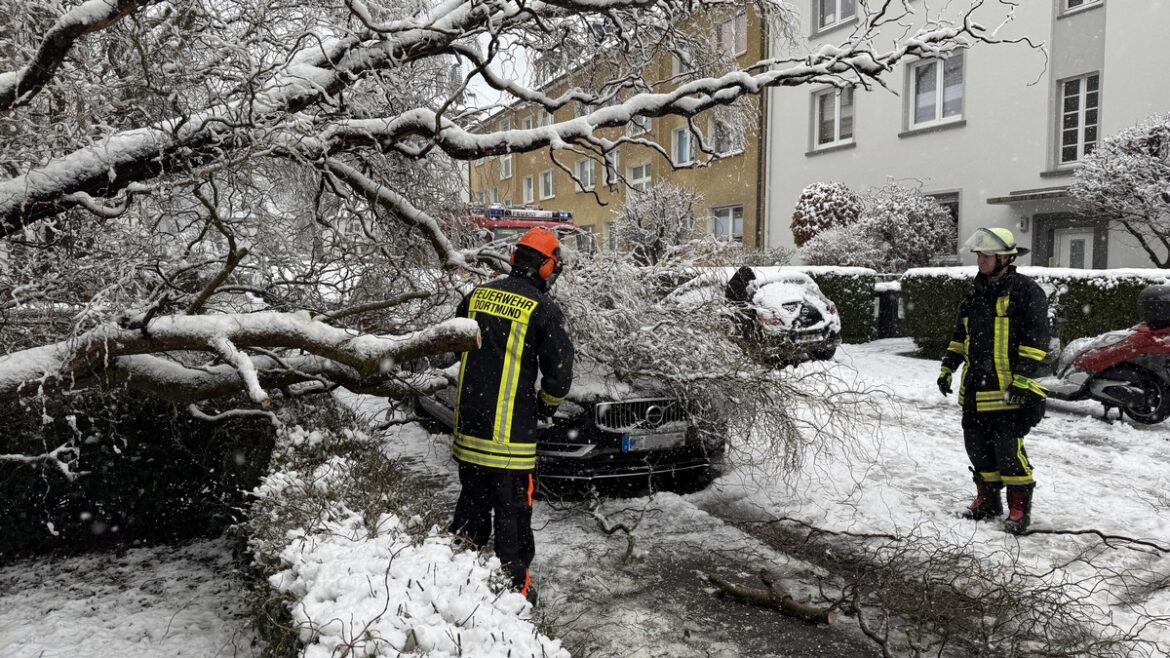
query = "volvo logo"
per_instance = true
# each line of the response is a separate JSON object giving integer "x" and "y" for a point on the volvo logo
{"x": 655, "y": 415}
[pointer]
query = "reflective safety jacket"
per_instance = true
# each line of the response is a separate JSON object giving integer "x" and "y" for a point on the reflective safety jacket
{"x": 522, "y": 334}
{"x": 1001, "y": 332}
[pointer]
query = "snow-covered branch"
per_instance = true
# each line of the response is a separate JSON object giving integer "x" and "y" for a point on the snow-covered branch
{"x": 123, "y": 354}
{"x": 18, "y": 87}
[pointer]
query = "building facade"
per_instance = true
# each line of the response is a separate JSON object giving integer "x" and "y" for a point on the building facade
{"x": 995, "y": 132}
{"x": 731, "y": 189}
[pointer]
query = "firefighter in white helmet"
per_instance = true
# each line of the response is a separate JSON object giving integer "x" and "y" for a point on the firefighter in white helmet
{"x": 1000, "y": 336}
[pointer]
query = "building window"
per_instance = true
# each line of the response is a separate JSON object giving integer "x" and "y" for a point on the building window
{"x": 587, "y": 240}
{"x": 1074, "y": 4}
{"x": 831, "y": 12}
{"x": 546, "y": 184}
{"x": 724, "y": 137}
{"x": 684, "y": 149}
{"x": 727, "y": 223}
{"x": 834, "y": 117}
{"x": 950, "y": 201}
{"x": 639, "y": 176}
{"x": 681, "y": 62}
{"x": 937, "y": 90}
{"x": 529, "y": 189}
{"x": 505, "y": 166}
{"x": 494, "y": 195}
{"x": 639, "y": 125}
{"x": 546, "y": 118}
{"x": 586, "y": 181}
{"x": 526, "y": 123}
{"x": 1080, "y": 102}
{"x": 613, "y": 168}
{"x": 732, "y": 35}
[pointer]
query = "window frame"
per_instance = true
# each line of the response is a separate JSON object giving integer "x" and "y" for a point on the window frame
{"x": 529, "y": 189}
{"x": 546, "y": 119}
{"x": 677, "y": 63}
{"x": 713, "y": 214}
{"x": 1081, "y": 113}
{"x": 1066, "y": 6}
{"x": 552, "y": 184}
{"x": 817, "y": 13}
{"x": 611, "y": 173}
{"x": 643, "y": 182}
{"x": 639, "y": 125}
{"x": 738, "y": 34}
{"x": 526, "y": 123}
{"x": 586, "y": 174}
{"x": 837, "y": 114}
{"x": 506, "y": 166}
{"x": 674, "y": 146}
{"x": 735, "y": 147}
{"x": 939, "y": 91}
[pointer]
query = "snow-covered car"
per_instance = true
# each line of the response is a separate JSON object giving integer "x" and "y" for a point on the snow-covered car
{"x": 782, "y": 313}
{"x": 611, "y": 431}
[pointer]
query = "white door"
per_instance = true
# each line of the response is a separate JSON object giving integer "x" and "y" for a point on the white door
{"x": 1073, "y": 248}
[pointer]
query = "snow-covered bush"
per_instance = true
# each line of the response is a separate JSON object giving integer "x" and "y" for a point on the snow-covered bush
{"x": 1126, "y": 180}
{"x": 653, "y": 222}
{"x": 846, "y": 246}
{"x": 823, "y": 206}
{"x": 899, "y": 228}
{"x": 352, "y": 550}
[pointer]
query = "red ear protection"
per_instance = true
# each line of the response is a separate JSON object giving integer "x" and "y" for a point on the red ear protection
{"x": 550, "y": 265}
{"x": 542, "y": 241}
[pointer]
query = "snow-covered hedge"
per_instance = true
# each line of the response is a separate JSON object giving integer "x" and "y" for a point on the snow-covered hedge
{"x": 351, "y": 548}
{"x": 1091, "y": 302}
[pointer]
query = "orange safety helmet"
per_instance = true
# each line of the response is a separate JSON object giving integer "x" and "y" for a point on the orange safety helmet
{"x": 542, "y": 241}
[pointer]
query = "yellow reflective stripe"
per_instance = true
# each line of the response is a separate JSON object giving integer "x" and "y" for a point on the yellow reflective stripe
{"x": 1021, "y": 381}
{"x": 512, "y": 456}
{"x": 998, "y": 405}
{"x": 459, "y": 386}
{"x": 958, "y": 347}
{"x": 509, "y": 383}
{"x": 1032, "y": 353}
{"x": 492, "y": 461}
{"x": 503, "y": 304}
{"x": 1000, "y": 342}
{"x": 989, "y": 395}
{"x": 549, "y": 399}
{"x": 1017, "y": 480}
{"x": 495, "y": 447}
{"x": 989, "y": 476}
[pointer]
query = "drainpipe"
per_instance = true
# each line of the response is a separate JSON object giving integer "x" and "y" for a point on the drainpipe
{"x": 762, "y": 158}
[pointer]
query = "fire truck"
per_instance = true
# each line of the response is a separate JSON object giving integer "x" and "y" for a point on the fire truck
{"x": 507, "y": 224}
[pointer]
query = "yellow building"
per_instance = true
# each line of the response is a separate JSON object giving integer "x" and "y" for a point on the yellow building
{"x": 730, "y": 186}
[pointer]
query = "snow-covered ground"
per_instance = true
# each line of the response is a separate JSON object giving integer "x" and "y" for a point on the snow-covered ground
{"x": 904, "y": 471}
{"x": 146, "y": 603}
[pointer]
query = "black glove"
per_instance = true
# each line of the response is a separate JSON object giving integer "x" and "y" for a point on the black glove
{"x": 1023, "y": 392}
{"x": 944, "y": 381}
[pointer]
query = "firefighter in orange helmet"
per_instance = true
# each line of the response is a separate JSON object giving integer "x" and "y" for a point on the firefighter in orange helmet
{"x": 500, "y": 401}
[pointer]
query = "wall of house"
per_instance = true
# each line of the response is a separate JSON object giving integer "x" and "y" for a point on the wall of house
{"x": 1006, "y": 140}
{"x": 731, "y": 181}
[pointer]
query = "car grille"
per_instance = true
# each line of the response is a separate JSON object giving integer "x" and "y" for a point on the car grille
{"x": 632, "y": 415}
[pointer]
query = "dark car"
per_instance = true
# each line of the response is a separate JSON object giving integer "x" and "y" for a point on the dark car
{"x": 785, "y": 316}
{"x": 606, "y": 432}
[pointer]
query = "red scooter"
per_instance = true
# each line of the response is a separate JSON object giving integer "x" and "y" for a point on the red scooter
{"x": 1127, "y": 369}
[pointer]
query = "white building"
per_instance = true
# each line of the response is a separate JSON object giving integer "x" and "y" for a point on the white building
{"x": 995, "y": 131}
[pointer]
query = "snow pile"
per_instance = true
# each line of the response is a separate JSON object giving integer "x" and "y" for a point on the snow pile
{"x": 377, "y": 582}
{"x": 376, "y": 592}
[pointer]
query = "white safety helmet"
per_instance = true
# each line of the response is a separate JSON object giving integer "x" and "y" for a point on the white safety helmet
{"x": 998, "y": 241}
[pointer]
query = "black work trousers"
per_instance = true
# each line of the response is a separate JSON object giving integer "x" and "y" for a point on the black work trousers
{"x": 995, "y": 444}
{"x": 508, "y": 496}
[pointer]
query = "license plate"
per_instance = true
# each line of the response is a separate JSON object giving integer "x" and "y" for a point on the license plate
{"x": 644, "y": 442}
